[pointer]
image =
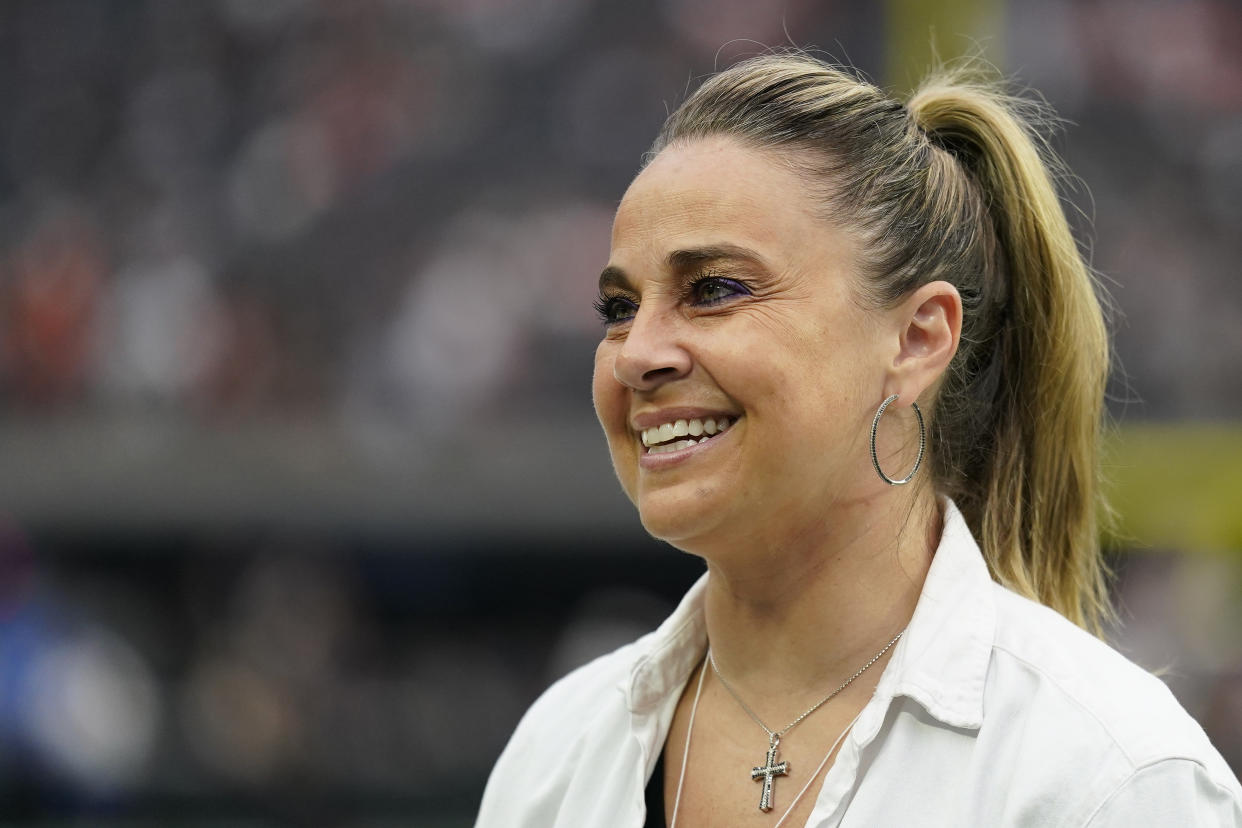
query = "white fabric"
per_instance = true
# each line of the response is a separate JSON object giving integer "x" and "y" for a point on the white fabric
{"x": 993, "y": 711}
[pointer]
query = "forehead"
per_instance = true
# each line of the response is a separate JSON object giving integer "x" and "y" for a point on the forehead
{"x": 714, "y": 190}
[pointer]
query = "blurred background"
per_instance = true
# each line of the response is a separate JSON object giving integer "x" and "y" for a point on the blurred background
{"x": 302, "y": 499}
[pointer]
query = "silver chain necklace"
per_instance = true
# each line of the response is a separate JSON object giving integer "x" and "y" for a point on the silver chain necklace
{"x": 771, "y": 768}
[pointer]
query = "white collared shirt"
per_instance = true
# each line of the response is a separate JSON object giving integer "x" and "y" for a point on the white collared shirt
{"x": 992, "y": 711}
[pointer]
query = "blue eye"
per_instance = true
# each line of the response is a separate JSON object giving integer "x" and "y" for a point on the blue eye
{"x": 614, "y": 309}
{"x": 712, "y": 290}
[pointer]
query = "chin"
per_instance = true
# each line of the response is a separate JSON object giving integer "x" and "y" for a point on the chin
{"x": 678, "y": 527}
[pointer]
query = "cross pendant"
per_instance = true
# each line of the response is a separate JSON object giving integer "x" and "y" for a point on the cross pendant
{"x": 770, "y": 769}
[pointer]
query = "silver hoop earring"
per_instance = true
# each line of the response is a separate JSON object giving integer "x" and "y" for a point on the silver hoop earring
{"x": 875, "y": 459}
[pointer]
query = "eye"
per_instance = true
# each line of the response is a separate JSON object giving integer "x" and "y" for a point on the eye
{"x": 712, "y": 290}
{"x": 615, "y": 309}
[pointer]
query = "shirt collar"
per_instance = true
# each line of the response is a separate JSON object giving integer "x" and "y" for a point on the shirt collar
{"x": 669, "y": 655}
{"x": 941, "y": 661}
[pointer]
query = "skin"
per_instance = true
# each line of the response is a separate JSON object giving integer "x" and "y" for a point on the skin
{"x": 730, "y": 293}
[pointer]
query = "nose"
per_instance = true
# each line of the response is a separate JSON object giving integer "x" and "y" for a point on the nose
{"x": 652, "y": 354}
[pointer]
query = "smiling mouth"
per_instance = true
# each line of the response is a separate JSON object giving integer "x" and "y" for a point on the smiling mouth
{"x": 681, "y": 434}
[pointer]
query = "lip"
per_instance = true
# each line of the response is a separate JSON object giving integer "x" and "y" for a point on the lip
{"x": 668, "y": 459}
{"x": 641, "y": 422}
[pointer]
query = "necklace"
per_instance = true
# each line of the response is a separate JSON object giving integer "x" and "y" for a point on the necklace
{"x": 771, "y": 767}
{"x": 685, "y": 756}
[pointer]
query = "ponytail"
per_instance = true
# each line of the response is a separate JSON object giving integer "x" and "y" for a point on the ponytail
{"x": 957, "y": 186}
{"x": 1034, "y": 505}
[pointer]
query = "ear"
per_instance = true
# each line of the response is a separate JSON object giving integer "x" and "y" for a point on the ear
{"x": 929, "y": 326}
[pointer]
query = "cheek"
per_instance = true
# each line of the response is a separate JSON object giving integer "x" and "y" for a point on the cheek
{"x": 604, "y": 386}
{"x": 612, "y": 409}
{"x": 612, "y": 402}
{"x": 812, "y": 381}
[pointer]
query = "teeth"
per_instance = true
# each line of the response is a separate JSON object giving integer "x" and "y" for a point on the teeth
{"x": 680, "y": 444}
{"x": 658, "y": 439}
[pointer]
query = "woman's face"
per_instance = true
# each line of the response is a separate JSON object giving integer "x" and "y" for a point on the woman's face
{"x": 729, "y": 302}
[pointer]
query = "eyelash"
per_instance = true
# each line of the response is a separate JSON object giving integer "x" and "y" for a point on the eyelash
{"x": 606, "y": 306}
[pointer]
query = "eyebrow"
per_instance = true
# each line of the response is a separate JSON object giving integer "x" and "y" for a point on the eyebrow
{"x": 614, "y": 277}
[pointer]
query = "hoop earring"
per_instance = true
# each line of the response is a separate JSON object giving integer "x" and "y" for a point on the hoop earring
{"x": 875, "y": 459}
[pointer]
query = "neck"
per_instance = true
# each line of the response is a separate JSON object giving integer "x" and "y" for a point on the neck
{"x": 818, "y": 604}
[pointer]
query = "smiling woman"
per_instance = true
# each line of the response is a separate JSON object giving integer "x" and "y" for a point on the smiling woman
{"x": 739, "y": 292}
{"x": 801, "y": 270}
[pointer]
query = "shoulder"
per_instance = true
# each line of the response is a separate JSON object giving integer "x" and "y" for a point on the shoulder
{"x": 529, "y": 783}
{"x": 575, "y": 702}
{"x": 1107, "y": 716}
{"x": 1169, "y": 792}
{"x": 577, "y": 756}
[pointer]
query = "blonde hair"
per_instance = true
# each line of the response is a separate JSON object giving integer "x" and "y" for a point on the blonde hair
{"x": 957, "y": 185}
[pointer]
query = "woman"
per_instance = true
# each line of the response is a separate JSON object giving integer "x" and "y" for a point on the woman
{"x": 854, "y": 360}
